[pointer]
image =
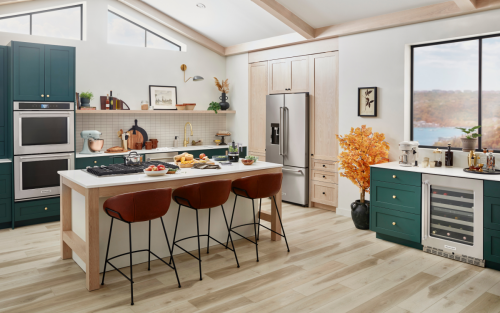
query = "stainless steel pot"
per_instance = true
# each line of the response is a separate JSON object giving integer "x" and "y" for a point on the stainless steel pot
{"x": 132, "y": 159}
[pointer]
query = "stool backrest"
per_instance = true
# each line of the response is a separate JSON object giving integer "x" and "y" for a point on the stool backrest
{"x": 139, "y": 206}
{"x": 258, "y": 186}
{"x": 203, "y": 195}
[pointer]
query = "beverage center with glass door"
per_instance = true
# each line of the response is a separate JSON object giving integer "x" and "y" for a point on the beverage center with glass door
{"x": 450, "y": 211}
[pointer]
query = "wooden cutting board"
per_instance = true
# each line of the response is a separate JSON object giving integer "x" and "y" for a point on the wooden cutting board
{"x": 133, "y": 139}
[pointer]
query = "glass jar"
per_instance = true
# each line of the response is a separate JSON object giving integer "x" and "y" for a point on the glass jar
{"x": 438, "y": 155}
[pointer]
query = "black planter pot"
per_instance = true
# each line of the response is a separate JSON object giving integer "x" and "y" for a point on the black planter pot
{"x": 85, "y": 102}
{"x": 224, "y": 105}
{"x": 360, "y": 213}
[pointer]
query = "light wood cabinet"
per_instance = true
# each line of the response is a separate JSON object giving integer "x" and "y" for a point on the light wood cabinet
{"x": 324, "y": 106}
{"x": 257, "y": 91}
{"x": 290, "y": 75}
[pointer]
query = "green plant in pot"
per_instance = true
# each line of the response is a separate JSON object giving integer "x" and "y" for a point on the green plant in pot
{"x": 214, "y": 106}
{"x": 85, "y": 98}
{"x": 361, "y": 148}
{"x": 469, "y": 142}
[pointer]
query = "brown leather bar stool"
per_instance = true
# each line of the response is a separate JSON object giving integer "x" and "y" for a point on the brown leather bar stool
{"x": 257, "y": 187}
{"x": 138, "y": 207}
{"x": 199, "y": 197}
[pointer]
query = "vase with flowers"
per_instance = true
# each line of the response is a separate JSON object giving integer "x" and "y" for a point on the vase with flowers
{"x": 224, "y": 88}
{"x": 361, "y": 148}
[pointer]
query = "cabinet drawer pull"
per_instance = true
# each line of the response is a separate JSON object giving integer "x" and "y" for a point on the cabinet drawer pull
{"x": 394, "y": 197}
{"x": 324, "y": 165}
{"x": 324, "y": 176}
{"x": 95, "y": 162}
{"x": 323, "y": 193}
{"x": 45, "y": 209}
{"x": 393, "y": 223}
{"x": 42, "y": 96}
{"x": 393, "y": 176}
{"x": 48, "y": 96}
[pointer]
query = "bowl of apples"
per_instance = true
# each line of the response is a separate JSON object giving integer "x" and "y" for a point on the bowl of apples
{"x": 153, "y": 170}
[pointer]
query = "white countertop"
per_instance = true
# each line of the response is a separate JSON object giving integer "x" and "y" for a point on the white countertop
{"x": 87, "y": 180}
{"x": 5, "y": 161}
{"x": 443, "y": 171}
{"x": 159, "y": 150}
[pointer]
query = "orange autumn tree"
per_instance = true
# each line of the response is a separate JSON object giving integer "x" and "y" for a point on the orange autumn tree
{"x": 362, "y": 148}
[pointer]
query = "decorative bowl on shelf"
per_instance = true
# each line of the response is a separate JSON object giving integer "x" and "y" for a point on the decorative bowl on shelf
{"x": 156, "y": 173}
{"x": 180, "y": 106}
{"x": 189, "y": 106}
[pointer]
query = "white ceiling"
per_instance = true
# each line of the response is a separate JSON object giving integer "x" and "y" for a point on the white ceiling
{"x": 227, "y": 22}
{"x": 320, "y": 13}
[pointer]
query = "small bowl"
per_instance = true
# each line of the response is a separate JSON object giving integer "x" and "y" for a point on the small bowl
{"x": 96, "y": 145}
{"x": 180, "y": 106}
{"x": 220, "y": 158}
{"x": 156, "y": 173}
{"x": 189, "y": 106}
{"x": 256, "y": 158}
{"x": 247, "y": 162}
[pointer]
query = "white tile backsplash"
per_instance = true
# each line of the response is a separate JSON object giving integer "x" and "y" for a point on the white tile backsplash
{"x": 161, "y": 126}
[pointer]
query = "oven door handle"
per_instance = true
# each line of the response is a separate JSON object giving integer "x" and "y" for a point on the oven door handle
{"x": 44, "y": 157}
{"x": 69, "y": 114}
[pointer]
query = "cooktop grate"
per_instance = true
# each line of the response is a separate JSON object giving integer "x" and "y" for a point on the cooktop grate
{"x": 121, "y": 169}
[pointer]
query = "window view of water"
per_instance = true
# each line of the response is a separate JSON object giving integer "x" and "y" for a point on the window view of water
{"x": 429, "y": 136}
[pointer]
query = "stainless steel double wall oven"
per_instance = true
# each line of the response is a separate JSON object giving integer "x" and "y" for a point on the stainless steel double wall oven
{"x": 44, "y": 137}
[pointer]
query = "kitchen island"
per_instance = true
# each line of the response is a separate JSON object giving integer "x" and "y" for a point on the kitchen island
{"x": 85, "y": 226}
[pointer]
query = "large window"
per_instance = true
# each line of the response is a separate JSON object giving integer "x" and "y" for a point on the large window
{"x": 122, "y": 31}
{"x": 456, "y": 84}
{"x": 61, "y": 23}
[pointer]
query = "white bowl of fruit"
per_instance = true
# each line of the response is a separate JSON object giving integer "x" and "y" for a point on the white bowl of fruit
{"x": 153, "y": 170}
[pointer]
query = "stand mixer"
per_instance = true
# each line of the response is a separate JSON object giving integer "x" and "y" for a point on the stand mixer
{"x": 93, "y": 135}
{"x": 409, "y": 153}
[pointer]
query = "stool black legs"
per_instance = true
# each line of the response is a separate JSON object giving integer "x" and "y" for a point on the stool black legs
{"x": 131, "y": 279}
{"x": 175, "y": 242}
{"x": 256, "y": 225}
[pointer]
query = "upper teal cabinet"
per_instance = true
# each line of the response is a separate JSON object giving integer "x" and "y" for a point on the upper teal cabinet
{"x": 43, "y": 72}
{"x": 3, "y": 102}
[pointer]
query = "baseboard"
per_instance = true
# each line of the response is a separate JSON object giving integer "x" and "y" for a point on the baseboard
{"x": 344, "y": 212}
{"x": 323, "y": 206}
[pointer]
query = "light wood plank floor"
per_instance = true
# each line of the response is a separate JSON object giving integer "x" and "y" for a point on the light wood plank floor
{"x": 332, "y": 267}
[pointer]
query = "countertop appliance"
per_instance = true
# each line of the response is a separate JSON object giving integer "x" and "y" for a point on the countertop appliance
{"x": 122, "y": 169}
{"x": 452, "y": 218}
{"x": 287, "y": 133}
{"x": 409, "y": 153}
{"x": 43, "y": 127}
{"x": 89, "y": 135}
{"x": 44, "y": 143}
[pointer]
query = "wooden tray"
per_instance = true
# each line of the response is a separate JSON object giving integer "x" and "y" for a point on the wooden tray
{"x": 497, "y": 172}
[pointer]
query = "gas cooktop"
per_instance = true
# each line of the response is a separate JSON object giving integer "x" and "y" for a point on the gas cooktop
{"x": 122, "y": 169}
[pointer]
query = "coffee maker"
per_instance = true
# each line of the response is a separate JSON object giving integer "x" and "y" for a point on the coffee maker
{"x": 409, "y": 153}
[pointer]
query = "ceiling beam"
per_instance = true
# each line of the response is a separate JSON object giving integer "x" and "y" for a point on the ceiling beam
{"x": 2, "y": 2}
{"x": 173, "y": 24}
{"x": 466, "y": 5}
{"x": 407, "y": 17}
{"x": 286, "y": 16}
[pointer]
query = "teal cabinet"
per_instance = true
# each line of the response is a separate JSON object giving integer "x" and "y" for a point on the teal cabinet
{"x": 491, "y": 189}
{"x": 5, "y": 186}
{"x": 43, "y": 72}
{"x": 4, "y": 142}
{"x": 36, "y": 209}
{"x": 5, "y": 212}
{"x": 491, "y": 245}
{"x": 491, "y": 209}
{"x": 396, "y": 177}
{"x": 82, "y": 163}
{"x": 396, "y": 196}
{"x": 394, "y": 223}
{"x": 59, "y": 73}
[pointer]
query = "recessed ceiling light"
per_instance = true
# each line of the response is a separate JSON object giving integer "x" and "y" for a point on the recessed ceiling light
{"x": 201, "y": 5}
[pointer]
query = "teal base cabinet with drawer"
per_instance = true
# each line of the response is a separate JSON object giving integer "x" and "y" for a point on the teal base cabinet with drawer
{"x": 491, "y": 221}
{"x": 5, "y": 195}
{"x": 36, "y": 211}
{"x": 396, "y": 206}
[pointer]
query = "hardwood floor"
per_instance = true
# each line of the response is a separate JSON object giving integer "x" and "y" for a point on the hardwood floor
{"x": 332, "y": 267}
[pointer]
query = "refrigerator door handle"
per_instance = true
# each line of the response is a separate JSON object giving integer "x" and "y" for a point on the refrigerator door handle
{"x": 285, "y": 130}
{"x": 295, "y": 171}
{"x": 282, "y": 132}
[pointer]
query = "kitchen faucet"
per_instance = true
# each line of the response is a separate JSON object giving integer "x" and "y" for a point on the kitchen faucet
{"x": 185, "y": 139}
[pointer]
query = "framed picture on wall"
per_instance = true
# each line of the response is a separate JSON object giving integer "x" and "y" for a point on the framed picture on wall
{"x": 367, "y": 101}
{"x": 163, "y": 97}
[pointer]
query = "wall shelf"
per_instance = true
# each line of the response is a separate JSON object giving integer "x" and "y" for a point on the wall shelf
{"x": 152, "y": 112}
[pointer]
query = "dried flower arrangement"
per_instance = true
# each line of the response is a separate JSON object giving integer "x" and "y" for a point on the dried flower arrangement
{"x": 224, "y": 87}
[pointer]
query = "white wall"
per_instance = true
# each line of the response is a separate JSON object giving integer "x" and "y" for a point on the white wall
{"x": 128, "y": 71}
{"x": 378, "y": 59}
{"x": 237, "y": 72}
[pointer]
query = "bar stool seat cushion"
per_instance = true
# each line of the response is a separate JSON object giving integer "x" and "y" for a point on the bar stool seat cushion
{"x": 139, "y": 206}
{"x": 203, "y": 195}
{"x": 258, "y": 186}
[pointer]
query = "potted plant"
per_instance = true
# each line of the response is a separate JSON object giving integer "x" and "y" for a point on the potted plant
{"x": 224, "y": 88}
{"x": 361, "y": 148}
{"x": 85, "y": 97}
{"x": 214, "y": 106}
{"x": 469, "y": 142}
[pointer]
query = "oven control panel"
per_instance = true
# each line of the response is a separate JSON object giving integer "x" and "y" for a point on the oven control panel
{"x": 43, "y": 106}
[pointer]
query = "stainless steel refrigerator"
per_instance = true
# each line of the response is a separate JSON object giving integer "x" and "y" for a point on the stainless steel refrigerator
{"x": 287, "y": 133}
